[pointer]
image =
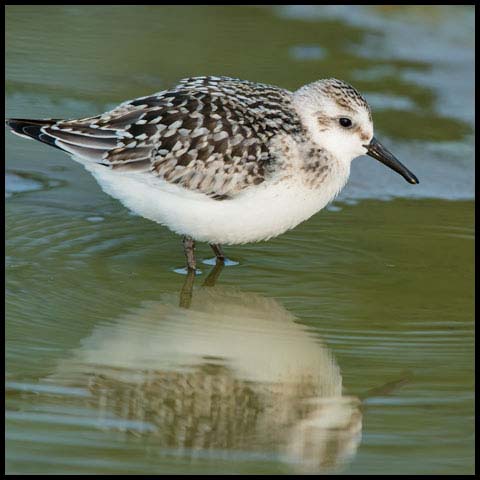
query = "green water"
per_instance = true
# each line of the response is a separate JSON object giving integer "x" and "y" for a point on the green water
{"x": 345, "y": 345}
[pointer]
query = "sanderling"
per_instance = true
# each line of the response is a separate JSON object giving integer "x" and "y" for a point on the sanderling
{"x": 223, "y": 160}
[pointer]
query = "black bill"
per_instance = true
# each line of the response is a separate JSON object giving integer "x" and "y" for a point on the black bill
{"x": 376, "y": 150}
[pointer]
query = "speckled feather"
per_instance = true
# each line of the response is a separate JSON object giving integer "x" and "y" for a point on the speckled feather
{"x": 208, "y": 134}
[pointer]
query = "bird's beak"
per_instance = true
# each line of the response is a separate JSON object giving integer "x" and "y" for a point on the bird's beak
{"x": 376, "y": 150}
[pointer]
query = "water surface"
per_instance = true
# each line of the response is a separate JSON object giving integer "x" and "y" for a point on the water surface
{"x": 345, "y": 345}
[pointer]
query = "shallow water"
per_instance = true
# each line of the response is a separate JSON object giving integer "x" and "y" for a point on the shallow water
{"x": 345, "y": 345}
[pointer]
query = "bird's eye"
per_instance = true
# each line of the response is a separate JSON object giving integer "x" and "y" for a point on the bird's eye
{"x": 345, "y": 122}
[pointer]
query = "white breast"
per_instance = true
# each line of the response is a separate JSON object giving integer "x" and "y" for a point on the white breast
{"x": 258, "y": 213}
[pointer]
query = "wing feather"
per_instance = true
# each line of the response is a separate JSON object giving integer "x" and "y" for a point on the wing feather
{"x": 208, "y": 134}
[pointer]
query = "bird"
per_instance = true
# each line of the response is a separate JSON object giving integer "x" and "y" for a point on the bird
{"x": 223, "y": 160}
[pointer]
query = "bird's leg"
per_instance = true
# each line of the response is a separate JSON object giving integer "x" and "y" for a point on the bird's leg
{"x": 213, "y": 275}
{"x": 217, "y": 250}
{"x": 189, "y": 249}
{"x": 187, "y": 290}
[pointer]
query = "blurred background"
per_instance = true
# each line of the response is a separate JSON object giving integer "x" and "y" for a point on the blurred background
{"x": 344, "y": 345}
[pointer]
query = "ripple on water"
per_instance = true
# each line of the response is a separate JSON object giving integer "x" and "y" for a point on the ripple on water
{"x": 95, "y": 219}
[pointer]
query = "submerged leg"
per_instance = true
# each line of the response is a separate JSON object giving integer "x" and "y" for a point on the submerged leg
{"x": 187, "y": 290}
{"x": 220, "y": 257}
{"x": 212, "y": 277}
{"x": 217, "y": 250}
{"x": 189, "y": 249}
{"x": 186, "y": 293}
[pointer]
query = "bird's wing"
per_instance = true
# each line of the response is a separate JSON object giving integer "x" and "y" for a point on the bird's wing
{"x": 208, "y": 134}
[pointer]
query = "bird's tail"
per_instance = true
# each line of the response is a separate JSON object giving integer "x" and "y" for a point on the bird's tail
{"x": 88, "y": 141}
{"x": 32, "y": 129}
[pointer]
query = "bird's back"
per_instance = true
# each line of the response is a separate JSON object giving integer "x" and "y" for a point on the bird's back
{"x": 207, "y": 134}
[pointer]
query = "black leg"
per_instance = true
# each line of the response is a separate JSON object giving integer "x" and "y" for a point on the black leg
{"x": 217, "y": 249}
{"x": 189, "y": 249}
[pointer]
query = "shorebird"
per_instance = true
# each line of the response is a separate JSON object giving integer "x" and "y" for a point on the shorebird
{"x": 223, "y": 160}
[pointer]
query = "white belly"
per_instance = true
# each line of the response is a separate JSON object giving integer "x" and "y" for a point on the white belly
{"x": 258, "y": 213}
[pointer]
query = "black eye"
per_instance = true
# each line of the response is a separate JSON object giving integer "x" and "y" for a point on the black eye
{"x": 345, "y": 122}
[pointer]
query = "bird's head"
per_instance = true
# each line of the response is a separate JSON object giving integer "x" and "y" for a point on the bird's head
{"x": 339, "y": 120}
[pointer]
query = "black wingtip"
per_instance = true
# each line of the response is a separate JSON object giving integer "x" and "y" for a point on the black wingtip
{"x": 14, "y": 124}
{"x": 31, "y": 129}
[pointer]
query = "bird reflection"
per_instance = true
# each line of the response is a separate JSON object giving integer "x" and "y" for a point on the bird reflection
{"x": 224, "y": 371}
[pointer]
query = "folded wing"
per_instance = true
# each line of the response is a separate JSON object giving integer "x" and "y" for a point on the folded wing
{"x": 208, "y": 134}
